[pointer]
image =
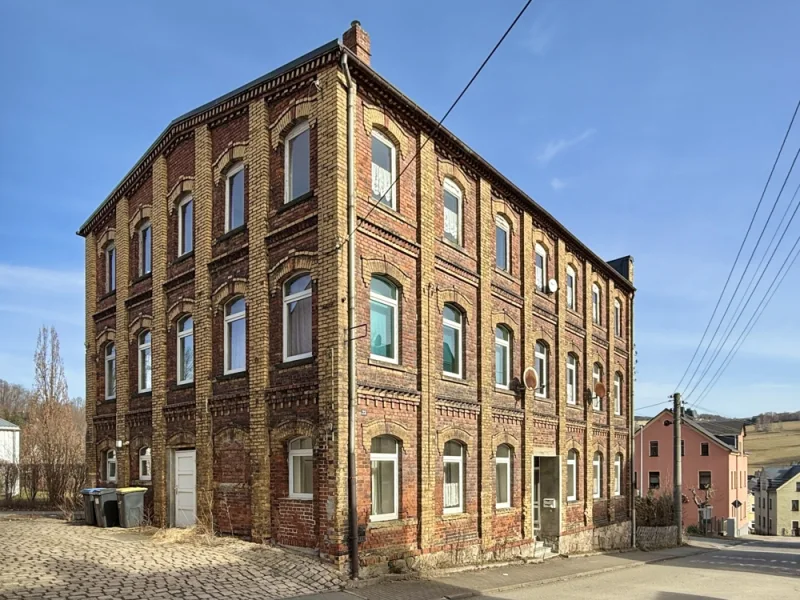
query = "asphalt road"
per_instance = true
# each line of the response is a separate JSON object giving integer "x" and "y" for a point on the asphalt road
{"x": 764, "y": 567}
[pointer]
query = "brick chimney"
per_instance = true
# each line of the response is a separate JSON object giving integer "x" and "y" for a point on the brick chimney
{"x": 356, "y": 40}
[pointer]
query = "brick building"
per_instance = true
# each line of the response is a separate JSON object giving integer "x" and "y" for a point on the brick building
{"x": 216, "y": 334}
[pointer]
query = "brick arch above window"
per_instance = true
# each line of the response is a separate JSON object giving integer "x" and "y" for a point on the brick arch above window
{"x": 573, "y": 442}
{"x": 234, "y": 153}
{"x": 107, "y": 237}
{"x": 454, "y": 433}
{"x": 235, "y": 286}
{"x": 184, "y": 187}
{"x": 381, "y": 427}
{"x": 382, "y": 266}
{"x": 180, "y": 308}
{"x": 571, "y": 347}
{"x": 376, "y": 118}
{"x": 181, "y": 439}
{"x": 452, "y": 295}
{"x": 232, "y": 434}
{"x": 294, "y": 262}
{"x": 300, "y": 109}
{"x": 503, "y": 437}
{"x": 138, "y": 442}
{"x": 449, "y": 170}
{"x": 139, "y": 323}
{"x": 105, "y": 444}
{"x": 105, "y": 336}
{"x": 506, "y": 319}
{"x": 142, "y": 214}
{"x": 293, "y": 428}
{"x": 542, "y": 335}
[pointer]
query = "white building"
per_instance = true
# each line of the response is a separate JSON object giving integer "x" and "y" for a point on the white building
{"x": 9, "y": 449}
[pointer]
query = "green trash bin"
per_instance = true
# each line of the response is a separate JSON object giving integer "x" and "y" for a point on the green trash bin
{"x": 130, "y": 506}
{"x": 88, "y": 505}
{"x": 105, "y": 507}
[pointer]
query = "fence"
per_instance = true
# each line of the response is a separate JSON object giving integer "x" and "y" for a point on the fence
{"x": 40, "y": 485}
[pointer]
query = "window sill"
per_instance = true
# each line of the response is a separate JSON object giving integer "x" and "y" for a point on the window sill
{"x": 542, "y": 398}
{"x": 181, "y": 386}
{"x": 504, "y": 510}
{"x": 183, "y": 257}
{"x": 455, "y": 516}
{"x": 390, "y": 523}
{"x": 294, "y": 202}
{"x": 232, "y": 233}
{"x": 142, "y": 278}
{"x": 457, "y": 247}
{"x": 107, "y": 295}
{"x": 374, "y": 362}
{"x": 454, "y": 379}
{"x": 394, "y": 213}
{"x": 147, "y": 394}
{"x": 299, "y": 499}
{"x": 231, "y": 376}
{"x": 505, "y": 392}
{"x": 108, "y": 400}
{"x": 506, "y": 275}
{"x": 296, "y": 363}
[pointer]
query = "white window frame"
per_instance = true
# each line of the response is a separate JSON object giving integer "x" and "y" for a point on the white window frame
{"x": 182, "y": 335}
{"x": 229, "y": 319}
{"x": 458, "y": 327}
{"x": 502, "y": 223}
{"x": 572, "y": 467}
{"x": 617, "y": 318}
{"x": 618, "y": 475}
{"x": 571, "y": 280}
{"x": 506, "y": 346}
{"x": 541, "y": 272}
{"x": 452, "y": 188}
{"x": 111, "y": 459}
{"x": 237, "y": 168}
{"x": 144, "y": 348}
{"x": 572, "y": 369}
{"x": 460, "y": 461}
{"x": 597, "y": 475}
{"x": 596, "y": 305}
{"x": 390, "y": 198}
{"x": 617, "y": 394}
{"x": 111, "y": 268}
{"x": 111, "y": 370}
{"x": 181, "y": 233}
{"x": 385, "y": 457}
{"x": 300, "y": 452}
{"x": 145, "y": 456}
{"x": 395, "y": 305}
{"x": 288, "y": 194}
{"x": 504, "y": 460}
{"x": 541, "y": 391}
{"x": 287, "y": 300}
{"x": 143, "y": 268}
{"x": 597, "y": 377}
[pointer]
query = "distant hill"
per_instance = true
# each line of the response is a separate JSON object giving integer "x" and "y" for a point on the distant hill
{"x": 777, "y": 445}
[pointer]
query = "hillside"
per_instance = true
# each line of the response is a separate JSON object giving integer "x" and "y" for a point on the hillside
{"x": 773, "y": 448}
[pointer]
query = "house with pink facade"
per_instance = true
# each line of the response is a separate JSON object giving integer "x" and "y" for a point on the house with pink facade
{"x": 714, "y": 465}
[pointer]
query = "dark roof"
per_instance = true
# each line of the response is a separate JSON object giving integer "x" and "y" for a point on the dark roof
{"x": 7, "y": 425}
{"x": 777, "y": 476}
{"x": 725, "y": 427}
{"x": 700, "y": 427}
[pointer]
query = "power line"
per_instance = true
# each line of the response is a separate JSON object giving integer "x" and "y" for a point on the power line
{"x": 651, "y": 405}
{"x": 438, "y": 125}
{"x": 741, "y": 247}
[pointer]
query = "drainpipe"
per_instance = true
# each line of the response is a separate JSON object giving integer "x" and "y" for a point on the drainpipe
{"x": 632, "y": 438}
{"x": 352, "y": 400}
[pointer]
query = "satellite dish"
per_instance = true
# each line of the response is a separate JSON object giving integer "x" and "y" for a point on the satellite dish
{"x": 599, "y": 390}
{"x": 530, "y": 378}
{"x": 552, "y": 285}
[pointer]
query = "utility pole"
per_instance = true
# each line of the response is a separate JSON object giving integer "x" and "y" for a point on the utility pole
{"x": 677, "y": 410}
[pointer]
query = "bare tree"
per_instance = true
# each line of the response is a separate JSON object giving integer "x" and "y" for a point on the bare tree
{"x": 15, "y": 402}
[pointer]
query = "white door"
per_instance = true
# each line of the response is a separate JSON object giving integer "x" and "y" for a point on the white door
{"x": 185, "y": 491}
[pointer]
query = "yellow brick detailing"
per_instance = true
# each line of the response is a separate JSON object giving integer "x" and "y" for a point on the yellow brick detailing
{"x": 122, "y": 246}
{"x": 90, "y": 350}
{"x": 304, "y": 108}
{"x": 527, "y": 275}
{"x": 258, "y": 155}
{"x": 235, "y": 152}
{"x": 145, "y": 211}
{"x": 184, "y": 186}
{"x": 374, "y": 115}
{"x": 160, "y": 227}
{"x": 558, "y": 376}
{"x": 588, "y": 384}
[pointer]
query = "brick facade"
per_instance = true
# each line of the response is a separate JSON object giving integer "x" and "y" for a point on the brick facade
{"x": 241, "y": 424}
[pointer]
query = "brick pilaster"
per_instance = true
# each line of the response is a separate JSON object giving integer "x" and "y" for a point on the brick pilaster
{"x": 610, "y": 450}
{"x": 527, "y": 347}
{"x": 91, "y": 358}
{"x": 587, "y": 388}
{"x": 558, "y": 375}
{"x": 122, "y": 244}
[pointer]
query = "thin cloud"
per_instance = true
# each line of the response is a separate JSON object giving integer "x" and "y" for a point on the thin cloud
{"x": 540, "y": 37}
{"x": 556, "y": 147}
{"x": 558, "y": 184}
{"x": 19, "y": 277}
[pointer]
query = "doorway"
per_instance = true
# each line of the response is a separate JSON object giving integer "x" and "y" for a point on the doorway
{"x": 546, "y": 497}
{"x": 184, "y": 488}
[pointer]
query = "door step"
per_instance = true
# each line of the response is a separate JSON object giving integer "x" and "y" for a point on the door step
{"x": 543, "y": 550}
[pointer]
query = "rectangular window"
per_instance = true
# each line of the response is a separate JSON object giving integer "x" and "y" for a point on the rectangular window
{"x": 655, "y": 480}
{"x": 571, "y": 380}
{"x": 502, "y": 360}
{"x": 145, "y": 362}
{"x": 704, "y": 449}
{"x": 301, "y": 469}
{"x": 383, "y": 170}
{"x": 797, "y": 486}
{"x": 186, "y": 226}
{"x": 617, "y": 318}
{"x": 146, "y": 250}
{"x": 145, "y": 464}
{"x": 572, "y": 480}
{"x": 541, "y": 268}
{"x": 597, "y": 476}
{"x": 111, "y": 268}
{"x": 570, "y": 288}
{"x": 111, "y": 372}
{"x": 683, "y": 447}
{"x": 540, "y": 364}
{"x": 617, "y": 394}
{"x": 795, "y": 505}
{"x": 453, "y": 492}
{"x": 501, "y": 243}
{"x": 451, "y": 348}
{"x": 186, "y": 350}
{"x": 383, "y": 320}
{"x": 298, "y": 162}
{"x": 452, "y": 212}
{"x": 596, "y": 318}
{"x": 654, "y": 448}
{"x": 597, "y": 378}
{"x": 235, "y": 336}
{"x": 297, "y": 319}
{"x": 383, "y": 458}
{"x": 503, "y": 478}
{"x": 234, "y": 205}
{"x": 705, "y": 480}
{"x": 618, "y": 475}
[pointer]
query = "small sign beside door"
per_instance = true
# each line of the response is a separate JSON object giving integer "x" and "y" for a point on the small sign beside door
{"x": 549, "y": 502}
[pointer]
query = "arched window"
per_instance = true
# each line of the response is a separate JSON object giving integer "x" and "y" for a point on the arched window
{"x": 145, "y": 361}
{"x": 540, "y": 364}
{"x": 297, "y": 162}
{"x": 452, "y": 336}
{"x": 384, "y": 454}
{"x": 301, "y": 468}
{"x": 111, "y": 268}
{"x": 234, "y": 197}
{"x": 502, "y": 356}
{"x": 571, "y": 285}
{"x": 502, "y": 465}
{"x": 572, "y": 379}
{"x": 297, "y": 318}
{"x": 145, "y": 464}
{"x": 597, "y": 378}
{"x": 145, "y": 248}
{"x": 235, "y": 336}
{"x": 384, "y": 170}
{"x": 111, "y": 465}
{"x": 453, "y": 218}
{"x": 617, "y": 394}
{"x": 618, "y": 475}
{"x": 383, "y": 320}
{"x": 186, "y": 225}
{"x": 541, "y": 268}
{"x": 502, "y": 245}
{"x": 572, "y": 475}
{"x": 453, "y": 477}
{"x": 597, "y": 318}
{"x": 111, "y": 371}
{"x": 186, "y": 350}
{"x": 617, "y": 318}
{"x": 597, "y": 471}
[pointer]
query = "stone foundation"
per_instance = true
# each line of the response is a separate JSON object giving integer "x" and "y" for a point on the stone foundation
{"x": 601, "y": 539}
{"x": 653, "y": 538}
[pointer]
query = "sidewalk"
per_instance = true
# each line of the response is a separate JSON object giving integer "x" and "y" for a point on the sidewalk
{"x": 496, "y": 579}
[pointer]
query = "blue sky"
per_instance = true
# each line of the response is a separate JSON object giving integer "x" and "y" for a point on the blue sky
{"x": 646, "y": 128}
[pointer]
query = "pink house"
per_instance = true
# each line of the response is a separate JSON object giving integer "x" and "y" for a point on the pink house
{"x": 713, "y": 458}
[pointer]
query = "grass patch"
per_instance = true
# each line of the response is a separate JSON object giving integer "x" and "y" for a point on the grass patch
{"x": 773, "y": 448}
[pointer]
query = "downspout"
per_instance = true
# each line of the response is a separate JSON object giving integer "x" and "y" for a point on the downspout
{"x": 352, "y": 399}
{"x": 632, "y": 437}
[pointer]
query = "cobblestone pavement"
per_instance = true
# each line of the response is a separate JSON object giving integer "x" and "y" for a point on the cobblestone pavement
{"x": 48, "y": 558}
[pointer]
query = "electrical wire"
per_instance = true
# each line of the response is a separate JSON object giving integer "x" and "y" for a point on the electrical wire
{"x": 652, "y": 405}
{"x": 741, "y": 247}
{"x": 438, "y": 126}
